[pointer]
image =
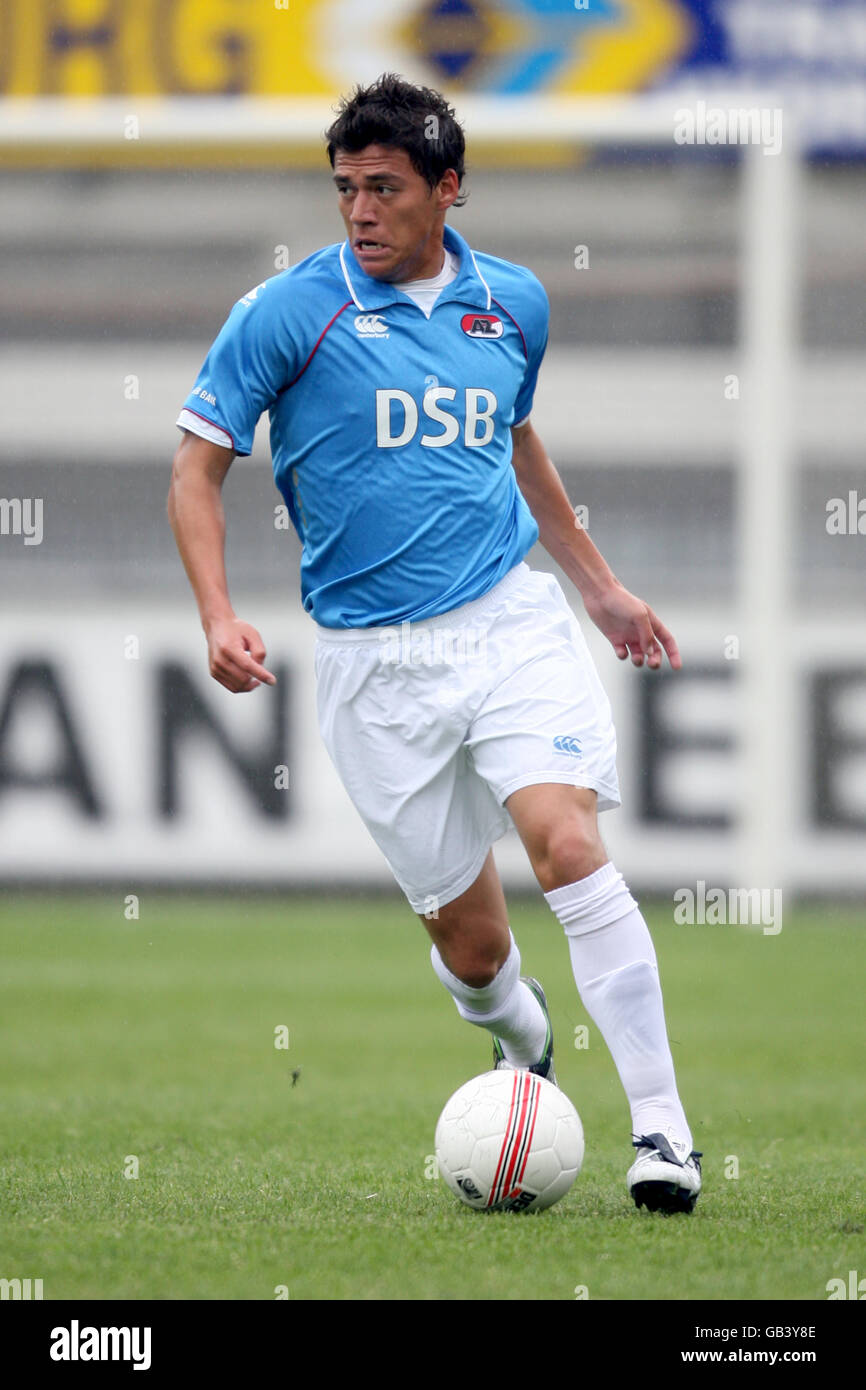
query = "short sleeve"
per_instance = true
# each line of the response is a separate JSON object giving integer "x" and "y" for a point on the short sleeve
{"x": 250, "y": 362}
{"x": 534, "y": 326}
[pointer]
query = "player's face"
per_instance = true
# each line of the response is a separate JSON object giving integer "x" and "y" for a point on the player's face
{"x": 392, "y": 216}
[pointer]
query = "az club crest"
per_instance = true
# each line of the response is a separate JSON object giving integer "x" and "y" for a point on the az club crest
{"x": 481, "y": 326}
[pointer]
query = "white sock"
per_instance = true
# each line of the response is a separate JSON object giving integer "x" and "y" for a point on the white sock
{"x": 616, "y": 973}
{"x": 505, "y": 1007}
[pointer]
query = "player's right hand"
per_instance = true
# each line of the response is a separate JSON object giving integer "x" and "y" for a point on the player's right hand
{"x": 235, "y": 654}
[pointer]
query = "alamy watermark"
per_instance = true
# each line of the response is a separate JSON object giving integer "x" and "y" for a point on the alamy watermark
{"x": 729, "y": 125}
{"x": 846, "y": 516}
{"x": 854, "y": 1287}
{"x": 22, "y": 516}
{"x": 20, "y": 1289}
{"x": 77, "y": 1343}
{"x": 411, "y": 645}
{"x": 756, "y": 907}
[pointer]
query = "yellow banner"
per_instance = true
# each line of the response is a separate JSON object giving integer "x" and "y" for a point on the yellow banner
{"x": 319, "y": 47}
{"x": 159, "y": 47}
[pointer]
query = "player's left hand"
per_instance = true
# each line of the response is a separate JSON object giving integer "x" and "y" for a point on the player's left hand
{"x": 632, "y": 628}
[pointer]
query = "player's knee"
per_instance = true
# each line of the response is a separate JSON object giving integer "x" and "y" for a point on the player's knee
{"x": 474, "y": 963}
{"x": 570, "y": 851}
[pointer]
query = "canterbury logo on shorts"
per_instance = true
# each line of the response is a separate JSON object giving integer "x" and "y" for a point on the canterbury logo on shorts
{"x": 565, "y": 743}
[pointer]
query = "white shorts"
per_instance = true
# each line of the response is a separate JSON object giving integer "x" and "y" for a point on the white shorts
{"x": 432, "y": 725}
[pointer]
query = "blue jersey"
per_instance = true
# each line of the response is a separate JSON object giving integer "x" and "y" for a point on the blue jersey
{"x": 390, "y": 431}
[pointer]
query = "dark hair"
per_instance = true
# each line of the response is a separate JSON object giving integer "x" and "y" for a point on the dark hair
{"x": 393, "y": 112}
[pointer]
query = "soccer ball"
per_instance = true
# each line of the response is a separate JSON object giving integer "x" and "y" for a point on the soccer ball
{"x": 509, "y": 1141}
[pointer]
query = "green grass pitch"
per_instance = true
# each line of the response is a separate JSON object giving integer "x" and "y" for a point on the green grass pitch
{"x": 154, "y": 1041}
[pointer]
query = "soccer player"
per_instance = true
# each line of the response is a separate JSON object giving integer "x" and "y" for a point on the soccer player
{"x": 456, "y": 694}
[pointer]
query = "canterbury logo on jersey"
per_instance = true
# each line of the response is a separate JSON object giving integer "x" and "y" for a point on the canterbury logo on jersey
{"x": 481, "y": 325}
{"x": 566, "y": 743}
{"x": 397, "y": 417}
{"x": 371, "y": 326}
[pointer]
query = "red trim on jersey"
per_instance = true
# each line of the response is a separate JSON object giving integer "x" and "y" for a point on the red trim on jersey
{"x": 316, "y": 348}
{"x": 516, "y": 325}
{"x": 198, "y": 415}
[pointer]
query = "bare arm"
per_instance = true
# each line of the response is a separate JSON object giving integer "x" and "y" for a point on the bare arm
{"x": 195, "y": 512}
{"x": 629, "y": 624}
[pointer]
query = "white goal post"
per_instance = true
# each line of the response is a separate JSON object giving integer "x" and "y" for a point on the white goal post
{"x": 767, "y": 348}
